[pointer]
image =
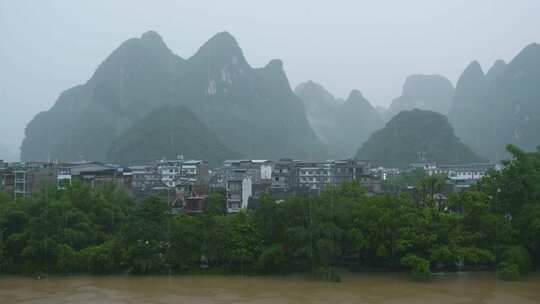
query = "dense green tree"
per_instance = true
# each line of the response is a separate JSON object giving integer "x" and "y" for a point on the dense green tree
{"x": 216, "y": 203}
{"x": 185, "y": 241}
{"x": 104, "y": 258}
{"x": 493, "y": 225}
{"x": 147, "y": 236}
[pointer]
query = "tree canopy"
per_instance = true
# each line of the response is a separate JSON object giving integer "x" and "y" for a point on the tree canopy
{"x": 493, "y": 225}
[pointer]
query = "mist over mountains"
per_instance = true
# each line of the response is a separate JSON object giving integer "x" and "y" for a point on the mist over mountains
{"x": 341, "y": 124}
{"x": 487, "y": 111}
{"x": 251, "y": 110}
{"x": 145, "y": 102}
{"x": 501, "y": 106}
{"x": 412, "y": 133}
{"x": 167, "y": 131}
{"x": 426, "y": 92}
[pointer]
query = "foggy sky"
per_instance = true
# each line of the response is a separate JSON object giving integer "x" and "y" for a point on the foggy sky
{"x": 49, "y": 46}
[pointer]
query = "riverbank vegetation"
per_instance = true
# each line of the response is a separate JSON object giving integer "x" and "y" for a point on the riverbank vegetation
{"x": 494, "y": 225}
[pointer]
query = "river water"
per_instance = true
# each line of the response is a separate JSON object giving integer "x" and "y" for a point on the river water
{"x": 355, "y": 288}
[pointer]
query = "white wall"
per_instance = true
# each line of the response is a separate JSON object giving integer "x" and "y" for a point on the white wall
{"x": 266, "y": 172}
{"x": 246, "y": 191}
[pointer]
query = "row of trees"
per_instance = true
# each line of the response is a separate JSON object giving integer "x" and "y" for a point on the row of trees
{"x": 495, "y": 224}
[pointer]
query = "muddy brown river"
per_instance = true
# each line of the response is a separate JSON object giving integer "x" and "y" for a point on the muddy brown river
{"x": 355, "y": 288}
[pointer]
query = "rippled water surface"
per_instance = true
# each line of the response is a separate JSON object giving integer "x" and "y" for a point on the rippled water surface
{"x": 355, "y": 288}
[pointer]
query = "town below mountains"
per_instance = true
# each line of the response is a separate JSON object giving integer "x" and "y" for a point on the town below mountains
{"x": 157, "y": 123}
{"x": 270, "y": 217}
{"x": 152, "y": 137}
{"x": 185, "y": 184}
{"x": 145, "y": 103}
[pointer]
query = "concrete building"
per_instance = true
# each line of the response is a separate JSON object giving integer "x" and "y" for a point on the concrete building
{"x": 349, "y": 170}
{"x": 285, "y": 176}
{"x": 474, "y": 171}
{"x": 195, "y": 199}
{"x": 382, "y": 173}
{"x": 260, "y": 172}
{"x": 244, "y": 181}
{"x": 239, "y": 191}
{"x": 314, "y": 176}
{"x": 297, "y": 177}
{"x": 180, "y": 171}
{"x": 426, "y": 166}
{"x": 145, "y": 181}
{"x": 94, "y": 174}
{"x": 7, "y": 179}
{"x": 462, "y": 175}
{"x": 32, "y": 177}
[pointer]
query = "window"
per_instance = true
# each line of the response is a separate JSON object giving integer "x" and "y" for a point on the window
{"x": 63, "y": 183}
{"x": 233, "y": 186}
{"x": 19, "y": 187}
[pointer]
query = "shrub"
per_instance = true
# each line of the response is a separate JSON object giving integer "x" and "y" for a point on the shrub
{"x": 419, "y": 266}
{"x": 508, "y": 271}
{"x": 101, "y": 259}
{"x": 66, "y": 259}
{"x": 272, "y": 259}
{"x": 519, "y": 256}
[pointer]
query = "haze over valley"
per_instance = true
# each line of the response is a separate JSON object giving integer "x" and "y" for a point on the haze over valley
{"x": 270, "y": 152}
{"x": 345, "y": 50}
{"x": 239, "y": 111}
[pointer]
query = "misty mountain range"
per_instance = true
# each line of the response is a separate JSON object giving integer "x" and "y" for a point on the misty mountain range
{"x": 486, "y": 110}
{"x": 253, "y": 111}
{"x": 414, "y": 135}
{"x": 144, "y": 102}
{"x": 341, "y": 124}
{"x": 426, "y": 92}
{"x": 501, "y": 106}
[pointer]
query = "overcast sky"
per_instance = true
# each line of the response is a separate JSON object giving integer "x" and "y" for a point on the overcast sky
{"x": 49, "y": 46}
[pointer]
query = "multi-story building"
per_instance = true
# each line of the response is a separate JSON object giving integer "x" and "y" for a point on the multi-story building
{"x": 285, "y": 176}
{"x": 382, "y": 173}
{"x": 244, "y": 180}
{"x": 32, "y": 177}
{"x": 312, "y": 177}
{"x": 145, "y": 181}
{"x": 462, "y": 175}
{"x": 349, "y": 170}
{"x": 426, "y": 166}
{"x": 176, "y": 181}
{"x": 260, "y": 172}
{"x": 25, "y": 179}
{"x": 195, "y": 198}
{"x": 6, "y": 179}
{"x": 197, "y": 169}
{"x": 180, "y": 171}
{"x": 474, "y": 171}
{"x": 239, "y": 191}
{"x": 94, "y": 174}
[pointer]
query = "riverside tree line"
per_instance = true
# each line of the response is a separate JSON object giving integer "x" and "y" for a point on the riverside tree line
{"x": 494, "y": 225}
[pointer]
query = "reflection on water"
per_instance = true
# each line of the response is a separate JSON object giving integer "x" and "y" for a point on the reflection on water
{"x": 355, "y": 288}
